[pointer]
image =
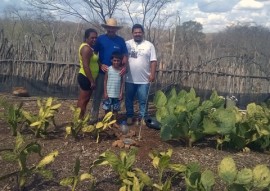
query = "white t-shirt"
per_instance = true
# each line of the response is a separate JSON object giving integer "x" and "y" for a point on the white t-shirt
{"x": 140, "y": 57}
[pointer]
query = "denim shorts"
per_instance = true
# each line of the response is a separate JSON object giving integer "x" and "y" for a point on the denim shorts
{"x": 111, "y": 104}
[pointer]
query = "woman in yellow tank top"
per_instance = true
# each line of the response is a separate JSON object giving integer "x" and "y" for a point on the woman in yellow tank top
{"x": 88, "y": 69}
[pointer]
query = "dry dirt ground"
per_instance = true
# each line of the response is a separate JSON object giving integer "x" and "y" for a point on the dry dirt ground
{"x": 88, "y": 150}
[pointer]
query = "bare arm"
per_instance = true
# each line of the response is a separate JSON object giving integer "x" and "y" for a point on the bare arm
{"x": 105, "y": 85}
{"x": 122, "y": 87}
{"x": 124, "y": 65}
{"x": 153, "y": 66}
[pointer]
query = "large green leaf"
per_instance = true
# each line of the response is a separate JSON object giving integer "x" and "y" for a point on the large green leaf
{"x": 193, "y": 104}
{"x": 182, "y": 94}
{"x": 55, "y": 107}
{"x": 227, "y": 170}
{"x": 193, "y": 179}
{"x": 191, "y": 95}
{"x": 209, "y": 126}
{"x": 237, "y": 141}
{"x": 49, "y": 102}
{"x": 167, "y": 124}
{"x": 167, "y": 184}
{"x": 164, "y": 162}
{"x": 67, "y": 181}
{"x": 244, "y": 176}
{"x": 178, "y": 167}
{"x": 172, "y": 94}
{"x": 113, "y": 160}
{"x": 180, "y": 131}
{"x": 218, "y": 101}
{"x": 130, "y": 158}
{"x": 208, "y": 180}
{"x": 171, "y": 105}
{"x": 86, "y": 176}
{"x": 136, "y": 184}
{"x": 261, "y": 176}
{"x": 196, "y": 120}
{"x": 225, "y": 120}
{"x": 143, "y": 177}
{"x": 47, "y": 159}
{"x": 32, "y": 147}
{"x": 206, "y": 106}
{"x": 19, "y": 141}
{"x": 180, "y": 108}
{"x": 160, "y": 99}
{"x": 161, "y": 113}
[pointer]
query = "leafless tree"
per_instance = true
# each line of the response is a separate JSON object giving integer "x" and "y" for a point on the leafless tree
{"x": 149, "y": 14}
{"x": 86, "y": 10}
{"x": 249, "y": 43}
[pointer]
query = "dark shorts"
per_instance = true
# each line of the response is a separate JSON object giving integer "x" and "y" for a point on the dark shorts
{"x": 84, "y": 82}
{"x": 111, "y": 104}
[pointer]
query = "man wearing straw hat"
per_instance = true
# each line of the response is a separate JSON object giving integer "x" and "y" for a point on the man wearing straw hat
{"x": 106, "y": 44}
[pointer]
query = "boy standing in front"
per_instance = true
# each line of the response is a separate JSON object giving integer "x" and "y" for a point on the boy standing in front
{"x": 113, "y": 85}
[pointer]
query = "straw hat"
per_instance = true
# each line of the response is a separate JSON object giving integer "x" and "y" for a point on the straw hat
{"x": 111, "y": 22}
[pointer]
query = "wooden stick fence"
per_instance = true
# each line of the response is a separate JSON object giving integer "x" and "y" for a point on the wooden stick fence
{"x": 227, "y": 74}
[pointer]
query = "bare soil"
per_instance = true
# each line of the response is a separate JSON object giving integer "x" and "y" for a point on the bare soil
{"x": 88, "y": 150}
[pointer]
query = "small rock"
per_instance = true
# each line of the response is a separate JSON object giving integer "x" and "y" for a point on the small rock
{"x": 20, "y": 91}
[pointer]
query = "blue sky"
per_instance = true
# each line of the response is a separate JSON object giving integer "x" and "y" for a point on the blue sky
{"x": 214, "y": 15}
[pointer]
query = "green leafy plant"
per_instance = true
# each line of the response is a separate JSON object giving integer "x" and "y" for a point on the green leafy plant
{"x": 20, "y": 154}
{"x": 181, "y": 115}
{"x": 161, "y": 162}
{"x": 245, "y": 179}
{"x": 240, "y": 129}
{"x": 220, "y": 122}
{"x": 12, "y": 115}
{"x": 76, "y": 126}
{"x": 100, "y": 126}
{"x": 254, "y": 128}
{"x": 40, "y": 122}
{"x": 76, "y": 178}
{"x": 131, "y": 178}
{"x": 198, "y": 181}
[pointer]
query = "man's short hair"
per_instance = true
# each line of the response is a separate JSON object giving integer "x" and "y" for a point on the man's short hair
{"x": 137, "y": 26}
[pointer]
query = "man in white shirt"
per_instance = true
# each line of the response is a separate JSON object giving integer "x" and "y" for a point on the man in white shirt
{"x": 141, "y": 72}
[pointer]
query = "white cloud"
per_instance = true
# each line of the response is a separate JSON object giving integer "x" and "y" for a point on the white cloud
{"x": 249, "y": 5}
{"x": 210, "y": 6}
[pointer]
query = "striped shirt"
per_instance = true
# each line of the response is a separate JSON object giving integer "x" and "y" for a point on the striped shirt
{"x": 113, "y": 83}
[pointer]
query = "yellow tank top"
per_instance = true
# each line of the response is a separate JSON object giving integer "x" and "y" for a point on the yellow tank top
{"x": 93, "y": 64}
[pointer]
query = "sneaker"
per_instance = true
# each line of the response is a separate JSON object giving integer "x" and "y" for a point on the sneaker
{"x": 129, "y": 121}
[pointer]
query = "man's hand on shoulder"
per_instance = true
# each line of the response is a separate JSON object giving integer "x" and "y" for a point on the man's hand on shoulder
{"x": 123, "y": 70}
{"x": 104, "y": 67}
